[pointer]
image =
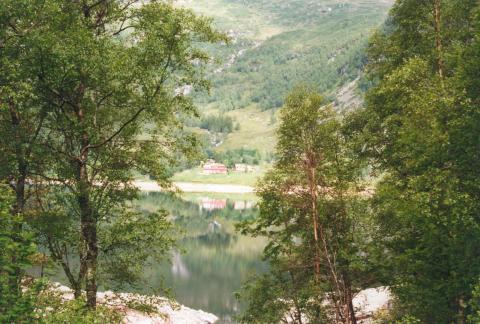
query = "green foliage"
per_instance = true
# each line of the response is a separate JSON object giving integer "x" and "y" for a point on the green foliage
{"x": 231, "y": 157}
{"x": 420, "y": 132}
{"x": 53, "y": 309}
{"x": 141, "y": 307}
{"x": 310, "y": 211}
{"x": 474, "y": 305}
{"x": 277, "y": 297}
{"x": 217, "y": 124}
{"x": 16, "y": 304}
{"x": 133, "y": 242}
{"x": 99, "y": 81}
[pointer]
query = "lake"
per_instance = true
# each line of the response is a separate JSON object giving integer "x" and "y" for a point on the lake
{"x": 216, "y": 259}
{"x": 212, "y": 260}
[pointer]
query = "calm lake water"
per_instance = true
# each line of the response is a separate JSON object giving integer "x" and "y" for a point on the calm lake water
{"x": 212, "y": 260}
{"x": 216, "y": 259}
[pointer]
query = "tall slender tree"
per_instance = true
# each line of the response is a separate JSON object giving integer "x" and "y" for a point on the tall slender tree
{"x": 308, "y": 211}
{"x": 21, "y": 116}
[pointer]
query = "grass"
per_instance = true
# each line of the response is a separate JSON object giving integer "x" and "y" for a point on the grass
{"x": 257, "y": 130}
{"x": 257, "y": 25}
{"x": 195, "y": 175}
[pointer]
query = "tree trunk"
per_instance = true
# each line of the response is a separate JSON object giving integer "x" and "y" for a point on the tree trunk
{"x": 19, "y": 187}
{"x": 77, "y": 291}
{"x": 349, "y": 301}
{"x": 87, "y": 218}
{"x": 18, "y": 208}
{"x": 313, "y": 201}
{"x": 438, "y": 37}
{"x": 20, "y": 161}
{"x": 298, "y": 311}
{"x": 89, "y": 234}
{"x": 76, "y": 285}
{"x": 461, "y": 310}
{"x": 319, "y": 236}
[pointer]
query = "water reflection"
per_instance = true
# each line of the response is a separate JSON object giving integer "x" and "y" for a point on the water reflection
{"x": 213, "y": 259}
{"x": 179, "y": 268}
{"x": 212, "y": 204}
{"x": 216, "y": 260}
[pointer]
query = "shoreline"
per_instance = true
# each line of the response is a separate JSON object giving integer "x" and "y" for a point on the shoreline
{"x": 152, "y": 186}
{"x": 165, "y": 310}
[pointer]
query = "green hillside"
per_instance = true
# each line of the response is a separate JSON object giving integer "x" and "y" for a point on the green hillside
{"x": 275, "y": 45}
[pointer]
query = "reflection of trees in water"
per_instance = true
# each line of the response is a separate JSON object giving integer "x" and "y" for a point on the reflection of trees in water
{"x": 234, "y": 210}
{"x": 173, "y": 204}
{"x": 216, "y": 260}
{"x": 178, "y": 266}
{"x": 217, "y": 239}
{"x": 198, "y": 221}
{"x": 214, "y": 226}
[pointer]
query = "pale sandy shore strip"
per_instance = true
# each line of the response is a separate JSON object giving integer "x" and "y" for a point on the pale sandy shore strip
{"x": 150, "y": 186}
{"x": 166, "y": 311}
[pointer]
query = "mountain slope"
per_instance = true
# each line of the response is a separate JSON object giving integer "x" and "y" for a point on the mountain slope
{"x": 277, "y": 44}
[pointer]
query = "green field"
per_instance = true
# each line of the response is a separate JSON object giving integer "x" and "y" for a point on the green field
{"x": 195, "y": 175}
{"x": 257, "y": 130}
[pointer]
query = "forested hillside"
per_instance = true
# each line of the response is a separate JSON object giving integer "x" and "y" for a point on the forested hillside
{"x": 317, "y": 42}
{"x": 276, "y": 45}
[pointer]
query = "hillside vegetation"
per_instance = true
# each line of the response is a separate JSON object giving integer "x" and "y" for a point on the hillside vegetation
{"x": 276, "y": 45}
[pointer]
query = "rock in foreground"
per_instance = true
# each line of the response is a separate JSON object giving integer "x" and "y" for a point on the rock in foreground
{"x": 140, "y": 309}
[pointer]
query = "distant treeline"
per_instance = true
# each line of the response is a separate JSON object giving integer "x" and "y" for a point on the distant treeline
{"x": 219, "y": 123}
{"x": 231, "y": 157}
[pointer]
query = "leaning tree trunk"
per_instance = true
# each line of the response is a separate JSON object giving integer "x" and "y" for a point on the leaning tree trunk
{"x": 312, "y": 182}
{"x": 318, "y": 235}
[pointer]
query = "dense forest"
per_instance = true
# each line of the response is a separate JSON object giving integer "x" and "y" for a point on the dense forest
{"x": 385, "y": 195}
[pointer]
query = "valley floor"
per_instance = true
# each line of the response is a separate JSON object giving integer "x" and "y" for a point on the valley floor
{"x": 196, "y": 175}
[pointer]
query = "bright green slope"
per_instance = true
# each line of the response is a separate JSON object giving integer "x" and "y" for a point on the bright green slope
{"x": 282, "y": 43}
